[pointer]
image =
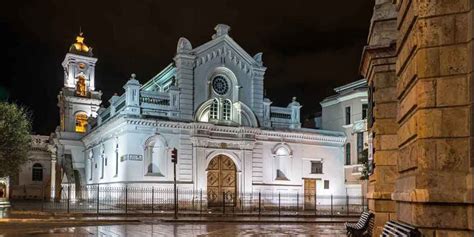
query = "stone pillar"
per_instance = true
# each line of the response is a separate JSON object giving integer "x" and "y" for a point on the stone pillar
{"x": 53, "y": 175}
{"x": 378, "y": 66}
{"x": 184, "y": 61}
{"x": 266, "y": 113}
{"x": 257, "y": 95}
{"x": 132, "y": 96}
{"x": 435, "y": 138}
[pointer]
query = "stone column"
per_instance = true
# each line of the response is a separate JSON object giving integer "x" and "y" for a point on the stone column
{"x": 435, "y": 138}
{"x": 53, "y": 175}
{"x": 378, "y": 66}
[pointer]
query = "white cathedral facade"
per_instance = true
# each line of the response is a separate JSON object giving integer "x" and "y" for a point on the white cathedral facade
{"x": 209, "y": 104}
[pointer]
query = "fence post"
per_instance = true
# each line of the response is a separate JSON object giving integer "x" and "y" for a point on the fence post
{"x": 68, "y": 197}
{"x": 241, "y": 204}
{"x": 279, "y": 204}
{"x": 200, "y": 202}
{"x": 347, "y": 204}
{"x": 152, "y": 200}
{"x": 363, "y": 199}
{"x": 331, "y": 206}
{"x": 223, "y": 203}
{"x": 194, "y": 197}
{"x": 42, "y": 198}
{"x": 177, "y": 202}
{"x": 126, "y": 199}
{"x": 259, "y": 203}
{"x": 297, "y": 201}
{"x": 98, "y": 200}
{"x": 315, "y": 205}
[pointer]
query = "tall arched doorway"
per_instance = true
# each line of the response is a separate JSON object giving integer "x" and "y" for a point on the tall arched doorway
{"x": 221, "y": 178}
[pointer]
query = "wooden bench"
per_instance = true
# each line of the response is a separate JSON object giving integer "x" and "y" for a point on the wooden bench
{"x": 363, "y": 227}
{"x": 393, "y": 228}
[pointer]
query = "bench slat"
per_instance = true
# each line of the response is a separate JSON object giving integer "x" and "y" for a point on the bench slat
{"x": 362, "y": 226}
{"x": 393, "y": 228}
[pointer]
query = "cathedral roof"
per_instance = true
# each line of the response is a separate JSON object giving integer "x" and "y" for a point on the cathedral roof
{"x": 79, "y": 47}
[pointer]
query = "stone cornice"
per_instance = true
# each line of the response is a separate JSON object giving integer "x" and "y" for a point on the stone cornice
{"x": 82, "y": 100}
{"x": 373, "y": 52}
{"x": 223, "y": 132}
{"x": 336, "y": 100}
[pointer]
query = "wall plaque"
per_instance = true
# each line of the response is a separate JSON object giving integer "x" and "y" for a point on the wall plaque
{"x": 131, "y": 157}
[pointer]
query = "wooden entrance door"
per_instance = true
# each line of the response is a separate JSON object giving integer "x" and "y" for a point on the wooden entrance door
{"x": 221, "y": 178}
{"x": 309, "y": 193}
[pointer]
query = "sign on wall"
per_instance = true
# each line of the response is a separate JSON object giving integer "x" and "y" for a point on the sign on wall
{"x": 131, "y": 157}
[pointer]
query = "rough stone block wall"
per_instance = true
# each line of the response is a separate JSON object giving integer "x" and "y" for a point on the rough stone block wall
{"x": 378, "y": 66}
{"x": 433, "y": 68}
{"x": 419, "y": 64}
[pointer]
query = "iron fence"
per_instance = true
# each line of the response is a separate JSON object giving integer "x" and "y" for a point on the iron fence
{"x": 99, "y": 199}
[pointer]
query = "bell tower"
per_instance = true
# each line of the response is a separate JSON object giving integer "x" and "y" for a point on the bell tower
{"x": 78, "y": 100}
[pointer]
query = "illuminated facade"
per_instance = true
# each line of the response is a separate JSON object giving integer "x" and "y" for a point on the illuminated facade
{"x": 209, "y": 104}
{"x": 346, "y": 111}
{"x": 77, "y": 101}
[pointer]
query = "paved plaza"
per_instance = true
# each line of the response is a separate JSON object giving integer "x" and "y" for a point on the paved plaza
{"x": 186, "y": 229}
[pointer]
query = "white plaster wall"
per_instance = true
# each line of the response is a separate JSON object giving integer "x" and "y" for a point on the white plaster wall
{"x": 300, "y": 167}
{"x": 26, "y": 187}
{"x": 26, "y": 174}
{"x": 133, "y": 141}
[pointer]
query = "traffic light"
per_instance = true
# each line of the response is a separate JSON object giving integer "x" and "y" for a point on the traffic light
{"x": 174, "y": 155}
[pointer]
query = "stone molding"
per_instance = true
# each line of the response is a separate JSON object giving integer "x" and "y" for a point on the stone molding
{"x": 335, "y": 139}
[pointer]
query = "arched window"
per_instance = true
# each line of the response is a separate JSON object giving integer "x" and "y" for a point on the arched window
{"x": 348, "y": 154}
{"x": 282, "y": 163}
{"x": 226, "y": 107}
{"x": 81, "y": 122}
{"x": 37, "y": 172}
{"x": 214, "y": 110}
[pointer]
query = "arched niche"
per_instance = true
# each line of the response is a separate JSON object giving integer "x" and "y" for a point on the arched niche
{"x": 282, "y": 162}
{"x": 155, "y": 156}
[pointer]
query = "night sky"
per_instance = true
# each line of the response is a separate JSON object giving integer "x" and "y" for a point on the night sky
{"x": 309, "y": 47}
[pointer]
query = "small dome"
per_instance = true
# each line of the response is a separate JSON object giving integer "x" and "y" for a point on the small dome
{"x": 79, "y": 47}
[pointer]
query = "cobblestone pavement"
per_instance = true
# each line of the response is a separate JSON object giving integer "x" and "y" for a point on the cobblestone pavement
{"x": 187, "y": 229}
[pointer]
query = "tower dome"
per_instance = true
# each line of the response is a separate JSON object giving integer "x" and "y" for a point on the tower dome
{"x": 79, "y": 47}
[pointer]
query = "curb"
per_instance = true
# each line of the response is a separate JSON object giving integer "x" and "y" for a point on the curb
{"x": 261, "y": 221}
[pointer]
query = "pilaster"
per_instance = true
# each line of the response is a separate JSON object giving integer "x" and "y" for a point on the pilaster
{"x": 378, "y": 67}
{"x": 184, "y": 61}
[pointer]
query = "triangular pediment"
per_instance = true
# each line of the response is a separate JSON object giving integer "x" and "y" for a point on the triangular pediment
{"x": 224, "y": 45}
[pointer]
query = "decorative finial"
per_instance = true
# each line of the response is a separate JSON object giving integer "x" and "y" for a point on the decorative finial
{"x": 80, "y": 47}
{"x": 294, "y": 98}
{"x": 184, "y": 46}
{"x": 133, "y": 76}
{"x": 221, "y": 29}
